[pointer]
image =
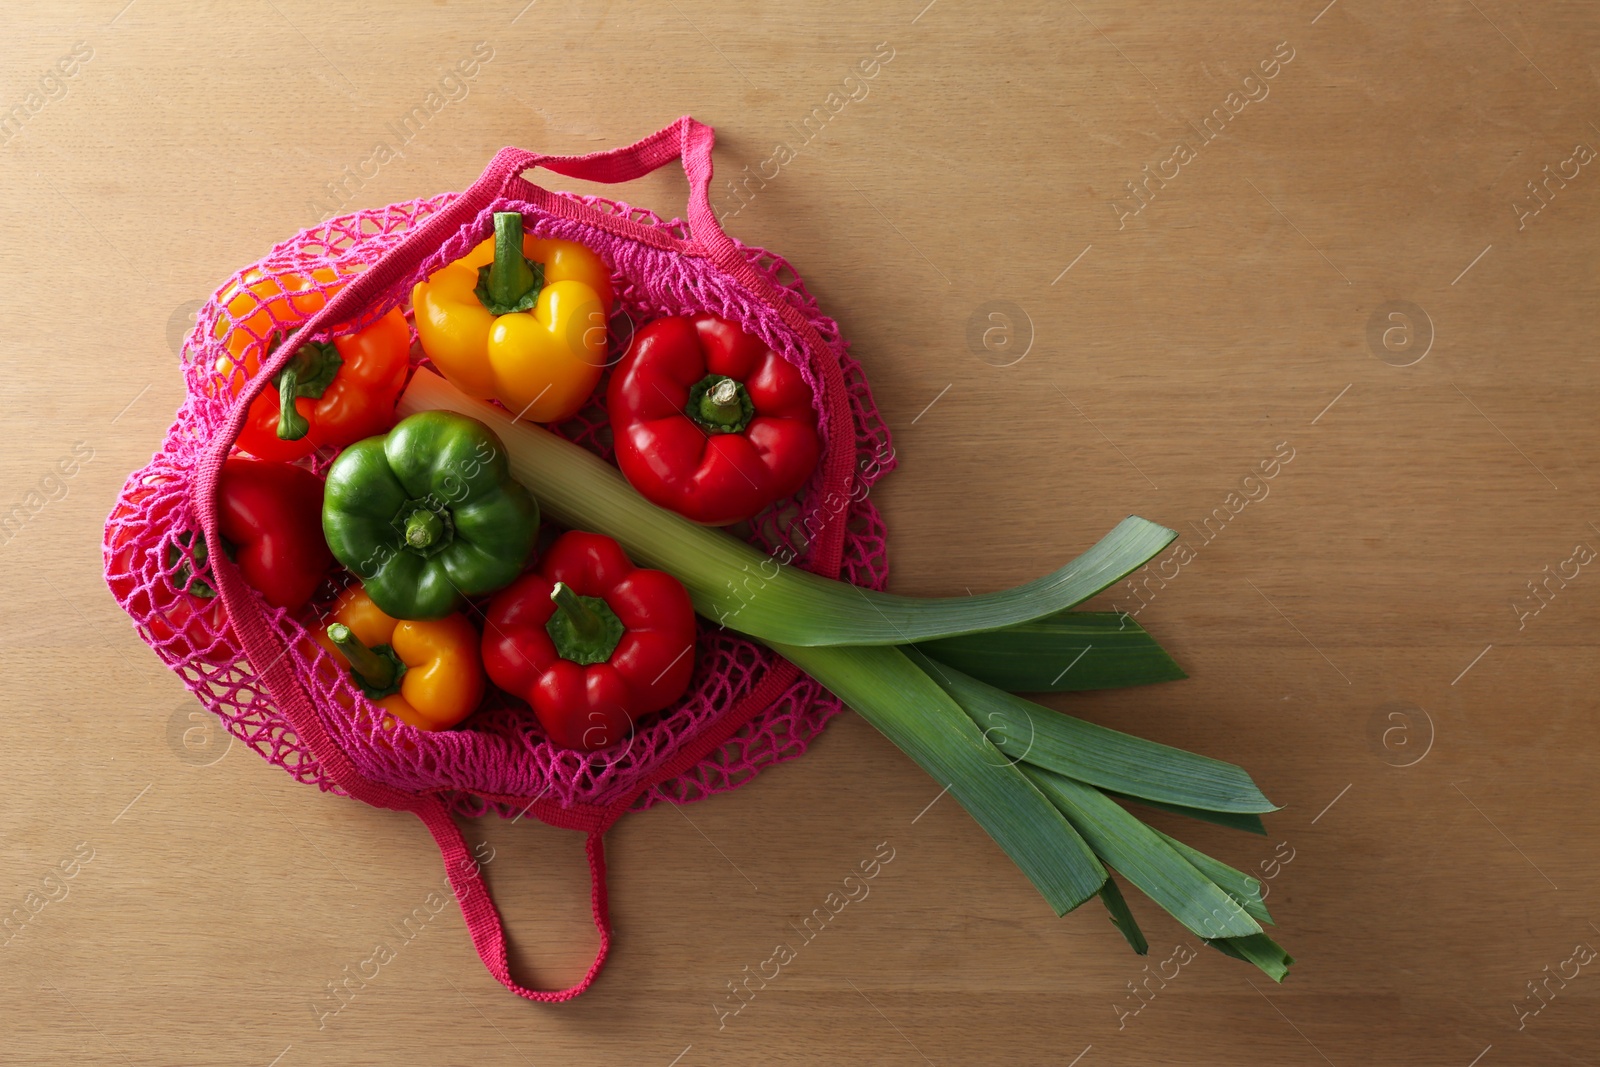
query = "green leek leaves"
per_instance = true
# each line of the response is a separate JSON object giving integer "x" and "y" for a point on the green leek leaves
{"x": 1042, "y": 784}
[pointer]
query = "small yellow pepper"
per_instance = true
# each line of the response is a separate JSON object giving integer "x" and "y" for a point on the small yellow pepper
{"x": 426, "y": 673}
{"x": 519, "y": 319}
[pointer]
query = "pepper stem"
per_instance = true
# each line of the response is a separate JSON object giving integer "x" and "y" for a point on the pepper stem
{"x": 584, "y": 629}
{"x": 512, "y": 282}
{"x": 423, "y": 528}
{"x": 308, "y": 373}
{"x": 291, "y": 424}
{"x": 718, "y": 404}
{"x": 374, "y": 670}
{"x": 724, "y": 397}
{"x": 585, "y": 623}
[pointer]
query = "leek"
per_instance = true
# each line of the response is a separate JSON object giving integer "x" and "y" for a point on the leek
{"x": 1122, "y": 917}
{"x": 1039, "y": 783}
{"x": 1148, "y": 862}
{"x": 1237, "y": 884}
{"x": 1233, "y": 820}
{"x": 1259, "y": 950}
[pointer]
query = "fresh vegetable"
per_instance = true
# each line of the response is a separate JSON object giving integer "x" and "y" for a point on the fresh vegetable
{"x": 709, "y": 421}
{"x": 175, "y": 603}
{"x": 429, "y": 515}
{"x": 268, "y": 513}
{"x": 1001, "y": 757}
{"x": 426, "y": 673}
{"x": 336, "y": 393}
{"x": 1069, "y": 652}
{"x": 592, "y": 642}
{"x": 519, "y": 319}
{"x": 1080, "y": 767}
{"x": 257, "y": 308}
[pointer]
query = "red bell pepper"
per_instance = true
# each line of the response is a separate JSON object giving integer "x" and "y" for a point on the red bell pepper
{"x": 710, "y": 422}
{"x": 340, "y": 393}
{"x": 175, "y": 602}
{"x": 271, "y": 516}
{"x": 591, "y": 641}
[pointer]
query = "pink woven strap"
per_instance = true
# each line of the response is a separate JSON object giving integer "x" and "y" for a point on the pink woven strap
{"x": 483, "y": 918}
{"x": 685, "y": 139}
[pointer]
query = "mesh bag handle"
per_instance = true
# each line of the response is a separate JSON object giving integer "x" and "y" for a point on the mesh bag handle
{"x": 685, "y": 139}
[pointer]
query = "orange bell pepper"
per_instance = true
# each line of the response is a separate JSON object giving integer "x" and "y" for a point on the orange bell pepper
{"x": 260, "y": 305}
{"x": 426, "y": 673}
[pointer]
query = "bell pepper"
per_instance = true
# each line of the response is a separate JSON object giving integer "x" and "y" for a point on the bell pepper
{"x": 334, "y": 394}
{"x": 710, "y": 422}
{"x": 175, "y": 602}
{"x": 269, "y": 515}
{"x": 591, "y": 641}
{"x": 426, "y": 673}
{"x": 259, "y": 306}
{"x": 429, "y": 515}
{"x": 519, "y": 319}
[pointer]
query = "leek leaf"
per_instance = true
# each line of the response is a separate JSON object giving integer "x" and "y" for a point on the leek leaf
{"x": 1068, "y": 652}
{"x": 1257, "y": 949}
{"x": 1234, "y": 820}
{"x": 1107, "y": 758}
{"x": 890, "y": 692}
{"x": 1141, "y": 857}
{"x": 1122, "y": 918}
{"x": 1235, "y": 883}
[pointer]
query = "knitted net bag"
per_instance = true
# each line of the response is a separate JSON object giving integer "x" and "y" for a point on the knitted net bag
{"x": 280, "y": 693}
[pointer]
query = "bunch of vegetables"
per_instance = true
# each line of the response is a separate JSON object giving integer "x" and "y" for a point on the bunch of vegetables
{"x": 437, "y": 510}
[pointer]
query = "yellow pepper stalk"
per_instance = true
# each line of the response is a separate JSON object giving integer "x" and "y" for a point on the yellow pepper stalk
{"x": 426, "y": 673}
{"x": 519, "y": 319}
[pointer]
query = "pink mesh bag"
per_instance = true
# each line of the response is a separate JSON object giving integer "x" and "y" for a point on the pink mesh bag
{"x": 276, "y": 690}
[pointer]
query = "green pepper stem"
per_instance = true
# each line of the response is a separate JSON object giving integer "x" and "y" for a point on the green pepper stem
{"x": 719, "y": 404}
{"x": 308, "y": 373}
{"x": 510, "y": 277}
{"x": 423, "y": 528}
{"x": 721, "y": 401}
{"x": 585, "y": 623}
{"x": 371, "y": 669}
{"x": 584, "y": 629}
{"x": 291, "y": 424}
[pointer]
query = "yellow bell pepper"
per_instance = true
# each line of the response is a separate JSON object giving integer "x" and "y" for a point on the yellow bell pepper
{"x": 426, "y": 673}
{"x": 519, "y": 319}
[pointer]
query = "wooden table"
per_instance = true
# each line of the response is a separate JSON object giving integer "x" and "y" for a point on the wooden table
{"x": 1331, "y": 251}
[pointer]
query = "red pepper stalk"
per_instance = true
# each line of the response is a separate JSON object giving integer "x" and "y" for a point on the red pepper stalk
{"x": 591, "y": 642}
{"x": 710, "y": 422}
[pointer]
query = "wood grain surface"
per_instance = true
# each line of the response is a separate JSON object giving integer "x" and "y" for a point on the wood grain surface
{"x": 1331, "y": 252}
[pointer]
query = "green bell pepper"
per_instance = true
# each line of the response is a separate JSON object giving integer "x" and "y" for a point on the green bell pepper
{"x": 428, "y": 515}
